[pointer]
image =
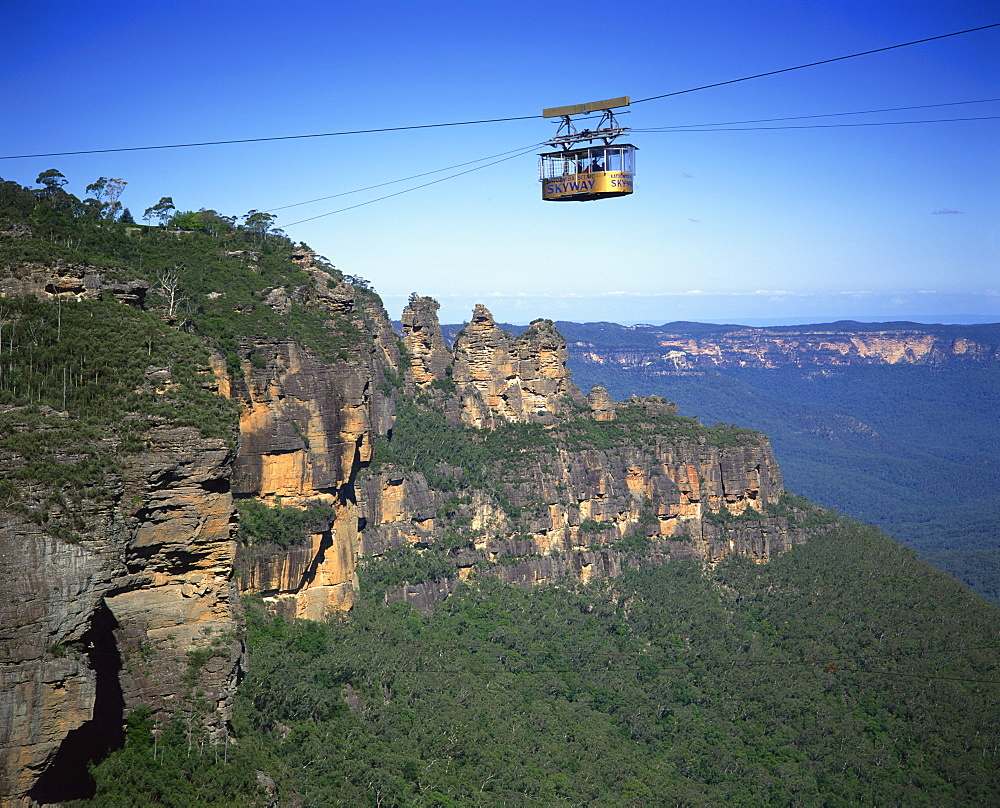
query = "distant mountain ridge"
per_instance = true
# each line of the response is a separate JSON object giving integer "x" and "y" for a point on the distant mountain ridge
{"x": 688, "y": 346}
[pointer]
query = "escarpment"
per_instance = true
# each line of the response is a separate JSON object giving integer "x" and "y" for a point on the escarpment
{"x": 307, "y": 427}
{"x": 692, "y": 348}
{"x": 496, "y": 462}
{"x": 117, "y": 531}
{"x": 564, "y": 503}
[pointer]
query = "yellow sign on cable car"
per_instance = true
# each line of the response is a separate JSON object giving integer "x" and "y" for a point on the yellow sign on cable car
{"x": 581, "y": 187}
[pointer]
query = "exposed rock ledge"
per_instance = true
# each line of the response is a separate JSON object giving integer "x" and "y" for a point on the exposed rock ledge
{"x": 140, "y": 612}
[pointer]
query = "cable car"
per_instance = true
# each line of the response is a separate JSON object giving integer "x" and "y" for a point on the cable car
{"x": 578, "y": 173}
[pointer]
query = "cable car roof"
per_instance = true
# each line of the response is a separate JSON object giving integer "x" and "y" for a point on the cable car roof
{"x": 593, "y": 106}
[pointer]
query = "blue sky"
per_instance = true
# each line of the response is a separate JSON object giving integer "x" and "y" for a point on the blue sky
{"x": 734, "y": 225}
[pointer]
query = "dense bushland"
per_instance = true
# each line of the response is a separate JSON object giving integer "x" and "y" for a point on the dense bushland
{"x": 81, "y": 384}
{"x": 844, "y": 672}
{"x": 104, "y": 362}
{"x": 206, "y": 270}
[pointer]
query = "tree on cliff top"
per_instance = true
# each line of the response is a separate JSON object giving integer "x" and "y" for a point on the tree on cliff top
{"x": 161, "y": 211}
{"x": 260, "y": 223}
{"x": 107, "y": 193}
{"x": 52, "y": 180}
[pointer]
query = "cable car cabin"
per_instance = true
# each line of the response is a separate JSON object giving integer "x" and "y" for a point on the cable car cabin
{"x": 594, "y": 172}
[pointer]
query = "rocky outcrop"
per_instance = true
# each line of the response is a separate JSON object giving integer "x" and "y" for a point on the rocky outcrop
{"x": 490, "y": 378}
{"x": 74, "y": 282}
{"x": 310, "y": 579}
{"x": 506, "y": 380}
{"x": 139, "y": 611}
{"x": 601, "y": 404}
{"x": 423, "y": 596}
{"x": 429, "y": 357}
{"x": 398, "y": 509}
{"x": 135, "y": 591}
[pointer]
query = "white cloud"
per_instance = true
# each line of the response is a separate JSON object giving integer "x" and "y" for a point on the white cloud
{"x": 621, "y": 293}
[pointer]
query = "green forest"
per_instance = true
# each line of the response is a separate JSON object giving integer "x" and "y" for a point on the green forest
{"x": 206, "y": 271}
{"x": 845, "y": 672}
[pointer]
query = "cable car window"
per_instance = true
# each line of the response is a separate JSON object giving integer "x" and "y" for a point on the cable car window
{"x": 583, "y": 174}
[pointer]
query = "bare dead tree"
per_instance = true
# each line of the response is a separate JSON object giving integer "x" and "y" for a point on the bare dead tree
{"x": 35, "y": 330}
{"x": 168, "y": 284}
{"x": 4, "y": 315}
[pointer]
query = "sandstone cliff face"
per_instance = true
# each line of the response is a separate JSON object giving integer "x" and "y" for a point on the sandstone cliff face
{"x": 429, "y": 356}
{"x": 304, "y": 423}
{"x": 504, "y": 380}
{"x": 601, "y": 404}
{"x": 141, "y": 611}
{"x": 307, "y": 434}
{"x": 766, "y": 349}
{"x": 570, "y": 509}
{"x": 306, "y": 430}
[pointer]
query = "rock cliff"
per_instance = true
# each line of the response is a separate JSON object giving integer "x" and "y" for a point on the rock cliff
{"x": 307, "y": 427}
{"x": 505, "y": 380}
{"x": 495, "y": 378}
{"x": 428, "y": 356}
{"x": 130, "y": 599}
{"x": 121, "y": 555}
{"x": 566, "y": 502}
{"x": 139, "y": 610}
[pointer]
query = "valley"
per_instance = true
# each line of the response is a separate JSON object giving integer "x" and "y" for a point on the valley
{"x": 259, "y": 548}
